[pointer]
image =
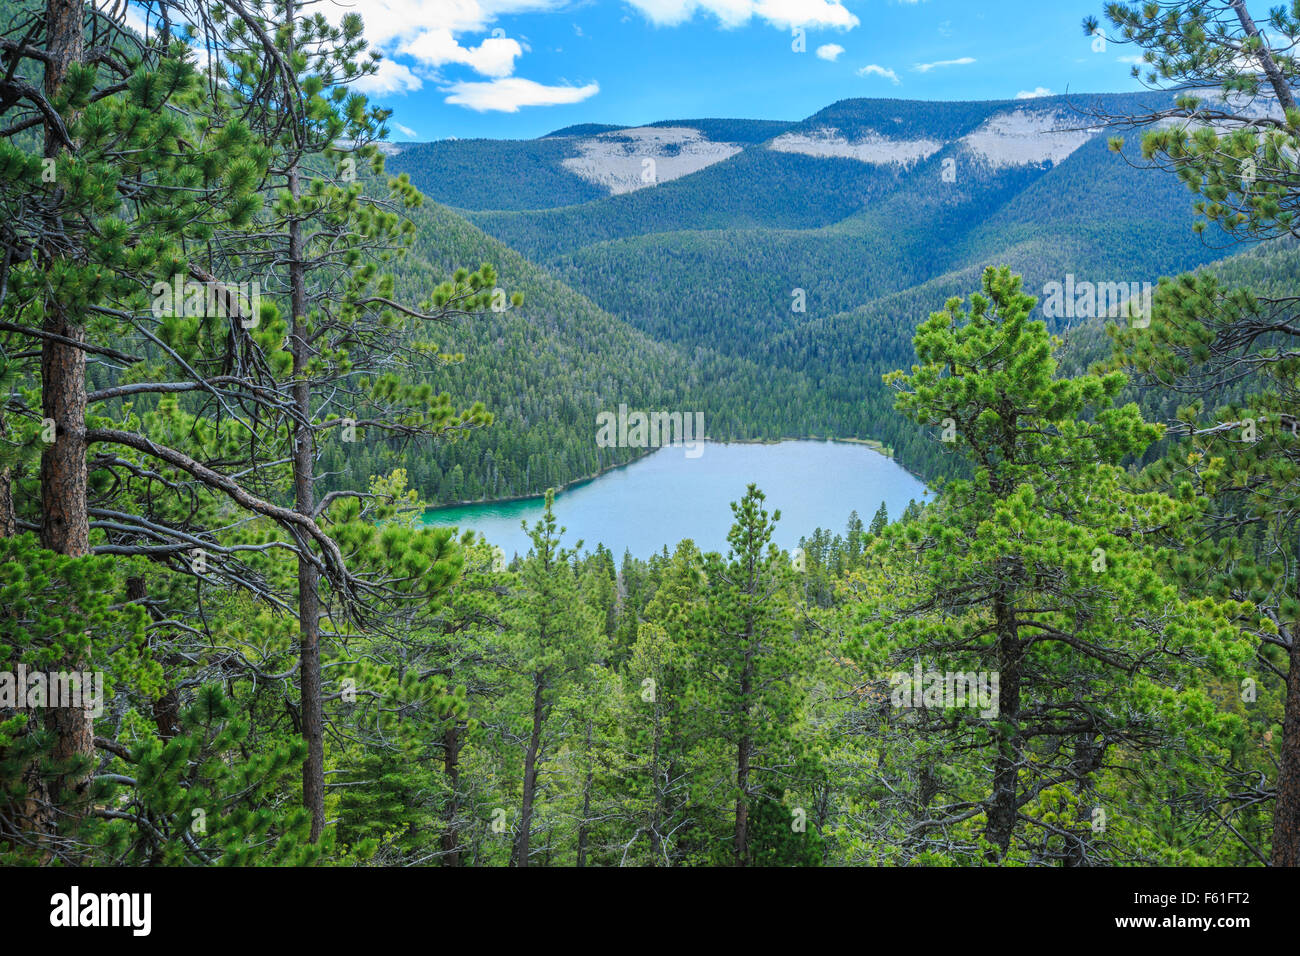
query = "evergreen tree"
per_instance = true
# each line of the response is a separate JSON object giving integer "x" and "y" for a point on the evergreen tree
{"x": 1215, "y": 56}
{"x": 554, "y": 637}
{"x": 747, "y": 660}
{"x": 1040, "y": 570}
{"x": 879, "y": 521}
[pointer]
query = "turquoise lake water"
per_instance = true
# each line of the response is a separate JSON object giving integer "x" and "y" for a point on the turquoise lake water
{"x": 668, "y": 496}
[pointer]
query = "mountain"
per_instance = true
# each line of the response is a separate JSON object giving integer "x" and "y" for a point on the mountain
{"x": 573, "y": 165}
{"x": 862, "y": 200}
{"x": 767, "y": 272}
{"x": 546, "y": 370}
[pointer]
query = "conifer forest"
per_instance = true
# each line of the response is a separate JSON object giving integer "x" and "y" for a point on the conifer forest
{"x": 267, "y": 313}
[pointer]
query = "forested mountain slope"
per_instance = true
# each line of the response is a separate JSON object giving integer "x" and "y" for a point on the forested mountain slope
{"x": 482, "y": 174}
{"x": 773, "y": 287}
{"x": 545, "y": 370}
{"x": 218, "y": 390}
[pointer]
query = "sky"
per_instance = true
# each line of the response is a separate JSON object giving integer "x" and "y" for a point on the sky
{"x": 517, "y": 69}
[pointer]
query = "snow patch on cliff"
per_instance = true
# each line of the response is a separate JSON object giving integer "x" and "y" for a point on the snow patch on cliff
{"x": 1028, "y": 137}
{"x": 872, "y": 148}
{"x": 626, "y": 160}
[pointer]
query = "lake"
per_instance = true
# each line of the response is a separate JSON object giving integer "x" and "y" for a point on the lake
{"x": 667, "y": 496}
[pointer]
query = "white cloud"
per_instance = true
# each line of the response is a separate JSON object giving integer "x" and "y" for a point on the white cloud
{"x": 436, "y": 47}
{"x": 875, "y": 69}
{"x": 734, "y": 13}
{"x": 830, "y": 51}
{"x": 1034, "y": 93}
{"x": 392, "y": 20}
{"x": 509, "y": 94}
{"x": 927, "y": 67}
{"x": 1135, "y": 60}
{"x": 391, "y": 77}
{"x": 405, "y": 130}
{"x": 434, "y": 34}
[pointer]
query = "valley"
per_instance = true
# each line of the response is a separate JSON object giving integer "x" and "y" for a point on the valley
{"x": 665, "y": 433}
{"x": 682, "y": 294}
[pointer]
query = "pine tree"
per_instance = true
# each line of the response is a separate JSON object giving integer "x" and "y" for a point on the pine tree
{"x": 879, "y": 521}
{"x": 553, "y": 639}
{"x": 747, "y": 661}
{"x": 1041, "y": 570}
{"x": 343, "y": 328}
{"x": 1242, "y": 172}
{"x": 125, "y": 174}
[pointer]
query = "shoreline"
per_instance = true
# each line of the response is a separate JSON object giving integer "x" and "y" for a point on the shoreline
{"x": 877, "y": 446}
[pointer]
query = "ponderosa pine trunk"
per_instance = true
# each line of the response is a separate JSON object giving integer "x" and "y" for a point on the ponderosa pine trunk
{"x": 584, "y": 828}
{"x": 309, "y": 608}
{"x": 8, "y": 520}
{"x": 1286, "y": 809}
{"x": 657, "y": 810}
{"x": 1006, "y": 770}
{"x": 1004, "y": 801}
{"x": 10, "y": 820}
{"x": 65, "y": 527}
{"x": 743, "y": 754}
{"x": 8, "y": 517}
{"x": 304, "y": 472}
{"x": 167, "y": 706}
{"x": 451, "y": 767}
{"x": 530, "y": 772}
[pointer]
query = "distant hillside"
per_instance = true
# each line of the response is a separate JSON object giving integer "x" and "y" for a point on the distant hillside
{"x": 683, "y": 293}
{"x": 495, "y": 174}
{"x": 582, "y": 129}
{"x": 731, "y": 130}
{"x": 546, "y": 370}
{"x": 714, "y": 258}
{"x": 574, "y": 165}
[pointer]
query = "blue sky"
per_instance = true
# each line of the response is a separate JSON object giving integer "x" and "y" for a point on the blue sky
{"x": 516, "y": 69}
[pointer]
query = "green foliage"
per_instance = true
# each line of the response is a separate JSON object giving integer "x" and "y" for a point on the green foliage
{"x": 1045, "y": 571}
{"x": 1131, "y": 586}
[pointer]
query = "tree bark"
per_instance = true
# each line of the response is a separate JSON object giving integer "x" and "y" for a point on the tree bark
{"x": 309, "y": 606}
{"x": 8, "y": 517}
{"x": 656, "y": 790}
{"x": 745, "y": 746}
{"x": 65, "y": 528}
{"x": 1276, "y": 78}
{"x": 584, "y": 828}
{"x": 304, "y": 464}
{"x": 743, "y": 753}
{"x": 1088, "y": 757}
{"x": 1006, "y": 772}
{"x": 1286, "y": 809}
{"x": 8, "y": 520}
{"x": 530, "y": 772}
{"x": 167, "y": 707}
{"x": 451, "y": 767}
